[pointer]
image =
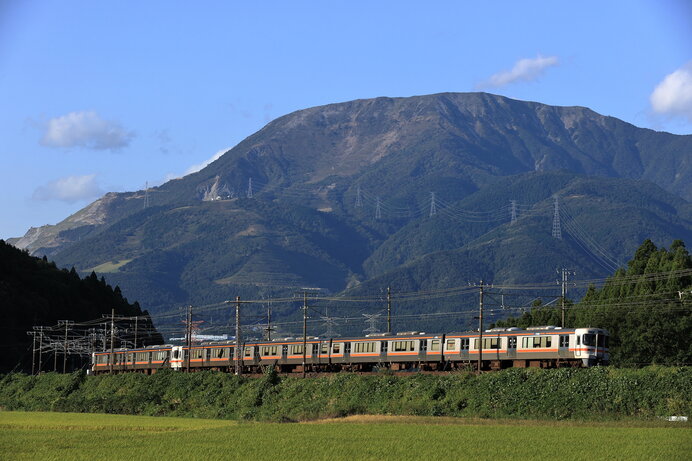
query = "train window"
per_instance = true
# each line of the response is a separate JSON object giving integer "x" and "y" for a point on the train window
{"x": 404, "y": 346}
{"x": 383, "y": 346}
{"x": 578, "y": 340}
{"x": 296, "y": 349}
{"x": 451, "y": 344}
{"x": 564, "y": 340}
{"x": 325, "y": 348}
{"x": 197, "y": 353}
{"x": 315, "y": 349}
{"x": 284, "y": 349}
{"x": 488, "y": 343}
{"x": 176, "y": 354}
{"x": 248, "y": 351}
{"x": 435, "y": 345}
{"x": 208, "y": 354}
{"x": 270, "y": 350}
{"x": 512, "y": 342}
{"x": 538, "y": 342}
{"x": 219, "y": 353}
{"x": 465, "y": 343}
{"x": 336, "y": 348}
{"x": 364, "y": 347}
{"x": 347, "y": 348}
{"x": 589, "y": 340}
{"x": 423, "y": 345}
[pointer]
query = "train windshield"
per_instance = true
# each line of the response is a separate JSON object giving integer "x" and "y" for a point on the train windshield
{"x": 589, "y": 340}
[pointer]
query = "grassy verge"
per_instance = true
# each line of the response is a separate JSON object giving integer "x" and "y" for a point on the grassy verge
{"x": 565, "y": 394}
{"x": 60, "y": 436}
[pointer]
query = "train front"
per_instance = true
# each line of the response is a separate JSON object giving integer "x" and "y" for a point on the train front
{"x": 592, "y": 346}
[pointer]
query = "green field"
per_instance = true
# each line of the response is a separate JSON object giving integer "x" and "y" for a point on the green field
{"x": 70, "y": 436}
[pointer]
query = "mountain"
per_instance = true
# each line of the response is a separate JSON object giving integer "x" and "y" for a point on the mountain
{"x": 295, "y": 204}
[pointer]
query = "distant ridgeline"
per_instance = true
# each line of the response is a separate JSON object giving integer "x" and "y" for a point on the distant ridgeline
{"x": 647, "y": 308}
{"x": 34, "y": 292}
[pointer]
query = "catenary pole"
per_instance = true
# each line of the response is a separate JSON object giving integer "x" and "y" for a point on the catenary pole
{"x": 480, "y": 329}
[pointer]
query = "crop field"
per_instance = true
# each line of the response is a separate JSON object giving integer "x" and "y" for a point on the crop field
{"x": 71, "y": 436}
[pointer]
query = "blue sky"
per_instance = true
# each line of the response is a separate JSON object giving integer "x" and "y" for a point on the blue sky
{"x": 104, "y": 96}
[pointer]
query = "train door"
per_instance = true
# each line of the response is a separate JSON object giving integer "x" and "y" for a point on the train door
{"x": 177, "y": 357}
{"x": 563, "y": 346}
{"x": 511, "y": 347}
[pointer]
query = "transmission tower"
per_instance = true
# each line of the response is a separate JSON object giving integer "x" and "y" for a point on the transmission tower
{"x": 514, "y": 211}
{"x": 557, "y": 232}
{"x": 359, "y": 201}
{"x": 378, "y": 211}
{"x": 372, "y": 320}
{"x": 249, "y": 188}
{"x": 329, "y": 323}
{"x": 146, "y": 194}
{"x": 433, "y": 209}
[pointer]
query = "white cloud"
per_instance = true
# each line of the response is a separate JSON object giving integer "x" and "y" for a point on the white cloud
{"x": 69, "y": 189}
{"x": 85, "y": 129}
{"x": 673, "y": 96}
{"x": 196, "y": 168}
{"x": 526, "y": 69}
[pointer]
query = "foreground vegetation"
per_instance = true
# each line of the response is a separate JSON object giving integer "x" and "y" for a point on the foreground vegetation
{"x": 60, "y": 436}
{"x": 596, "y": 393}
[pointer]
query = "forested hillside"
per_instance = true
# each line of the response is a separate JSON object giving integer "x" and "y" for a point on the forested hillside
{"x": 34, "y": 292}
{"x": 646, "y": 307}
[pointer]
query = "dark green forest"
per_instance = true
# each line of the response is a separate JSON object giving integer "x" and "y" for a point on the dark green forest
{"x": 34, "y": 292}
{"x": 647, "y": 308}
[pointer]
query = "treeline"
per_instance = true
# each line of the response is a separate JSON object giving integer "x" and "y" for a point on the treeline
{"x": 594, "y": 393}
{"x": 647, "y": 308}
{"x": 33, "y": 292}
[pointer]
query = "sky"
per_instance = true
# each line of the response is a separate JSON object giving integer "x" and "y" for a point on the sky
{"x": 109, "y": 95}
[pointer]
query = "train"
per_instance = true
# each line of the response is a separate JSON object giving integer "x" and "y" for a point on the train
{"x": 494, "y": 349}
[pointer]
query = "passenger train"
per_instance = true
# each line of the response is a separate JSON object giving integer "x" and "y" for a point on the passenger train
{"x": 545, "y": 347}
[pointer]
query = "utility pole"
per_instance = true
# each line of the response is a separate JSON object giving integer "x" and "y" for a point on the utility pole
{"x": 305, "y": 329}
{"x": 238, "y": 352}
{"x": 249, "y": 188}
{"x": 64, "y": 347}
{"x": 359, "y": 201}
{"x": 514, "y": 211}
{"x": 480, "y": 329}
{"x": 268, "y": 330}
{"x": 433, "y": 208}
{"x": 378, "y": 210}
{"x": 563, "y": 297}
{"x": 40, "y": 349}
{"x": 188, "y": 337}
{"x": 136, "y": 319}
{"x": 111, "y": 358}
{"x": 33, "y": 351}
{"x": 389, "y": 310}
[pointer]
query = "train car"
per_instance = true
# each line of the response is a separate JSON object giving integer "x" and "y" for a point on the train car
{"x": 497, "y": 348}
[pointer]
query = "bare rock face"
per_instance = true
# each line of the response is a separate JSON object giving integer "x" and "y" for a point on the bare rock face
{"x": 50, "y": 239}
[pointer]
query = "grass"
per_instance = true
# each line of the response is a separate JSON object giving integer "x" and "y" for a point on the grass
{"x": 70, "y": 436}
{"x": 109, "y": 267}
